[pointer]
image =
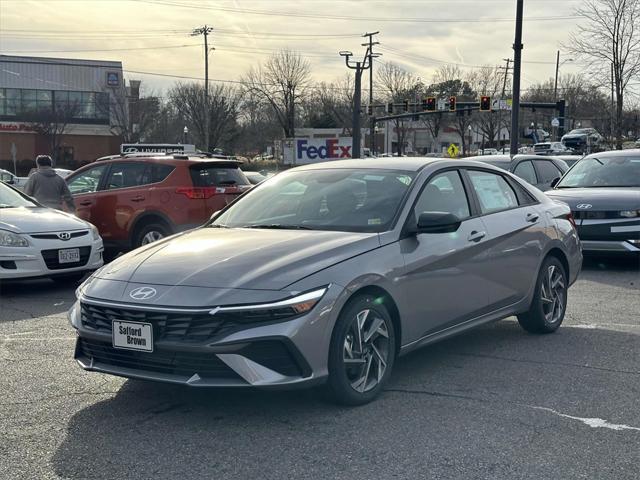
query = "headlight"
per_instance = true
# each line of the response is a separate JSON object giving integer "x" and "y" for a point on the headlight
{"x": 269, "y": 312}
{"x": 10, "y": 239}
{"x": 94, "y": 232}
{"x": 630, "y": 213}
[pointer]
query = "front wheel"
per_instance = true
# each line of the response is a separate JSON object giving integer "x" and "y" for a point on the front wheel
{"x": 362, "y": 351}
{"x": 549, "y": 301}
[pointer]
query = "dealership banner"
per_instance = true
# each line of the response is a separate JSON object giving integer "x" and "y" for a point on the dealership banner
{"x": 302, "y": 151}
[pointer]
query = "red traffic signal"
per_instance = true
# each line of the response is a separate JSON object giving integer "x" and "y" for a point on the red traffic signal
{"x": 431, "y": 104}
{"x": 405, "y": 105}
{"x": 389, "y": 107}
{"x": 485, "y": 103}
{"x": 452, "y": 104}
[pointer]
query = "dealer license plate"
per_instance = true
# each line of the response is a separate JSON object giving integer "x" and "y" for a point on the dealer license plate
{"x": 69, "y": 255}
{"x": 133, "y": 336}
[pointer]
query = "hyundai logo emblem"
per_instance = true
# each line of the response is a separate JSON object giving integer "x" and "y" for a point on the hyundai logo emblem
{"x": 143, "y": 293}
{"x": 64, "y": 235}
{"x": 584, "y": 206}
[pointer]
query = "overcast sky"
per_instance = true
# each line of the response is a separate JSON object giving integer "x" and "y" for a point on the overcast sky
{"x": 153, "y": 35}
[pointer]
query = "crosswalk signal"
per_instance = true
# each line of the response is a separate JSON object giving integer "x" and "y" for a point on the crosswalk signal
{"x": 431, "y": 104}
{"x": 389, "y": 107}
{"x": 405, "y": 105}
{"x": 452, "y": 104}
{"x": 369, "y": 110}
{"x": 485, "y": 103}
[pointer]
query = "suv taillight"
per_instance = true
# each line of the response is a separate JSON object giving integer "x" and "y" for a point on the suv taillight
{"x": 572, "y": 220}
{"x": 199, "y": 193}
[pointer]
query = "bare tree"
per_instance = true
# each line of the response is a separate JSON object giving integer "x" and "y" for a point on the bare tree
{"x": 282, "y": 82}
{"x": 132, "y": 117}
{"x": 488, "y": 80}
{"x": 397, "y": 85}
{"x": 609, "y": 41}
{"x": 52, "y": 124}
{"x": 188, "y": 101}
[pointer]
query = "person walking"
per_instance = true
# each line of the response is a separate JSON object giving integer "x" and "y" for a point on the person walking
{"x": 47, "y": 187}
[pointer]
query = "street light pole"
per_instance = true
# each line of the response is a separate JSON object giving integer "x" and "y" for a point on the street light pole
{"x": 517, "y": 65}
{"x": 372, "y": 128}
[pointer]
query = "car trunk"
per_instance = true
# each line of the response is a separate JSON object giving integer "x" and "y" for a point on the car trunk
{"x": 217, "y": 183}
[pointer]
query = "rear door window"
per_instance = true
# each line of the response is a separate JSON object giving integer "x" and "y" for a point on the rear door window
{"x": 493, "y": 191}
{"x": 217, "y": 175}
{"x": 526, "y": 172}
{"x": 88, "y": 181}
{"x": 125, "y": 175}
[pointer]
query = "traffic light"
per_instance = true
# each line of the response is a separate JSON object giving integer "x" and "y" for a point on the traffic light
{"x": 431, "y": 104}
{"x": 424, "y": 104}
{"x": 405, "y": 105}
{"x": 485, "y": 103}
{"x": 452, "y": 104}
{"x": 389, "y": 107}
{"x": 369, "y": 110}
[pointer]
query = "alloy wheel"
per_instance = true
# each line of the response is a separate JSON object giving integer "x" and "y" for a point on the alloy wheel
{"x": 151, "y": 237}
{"x": 366, "y": 350}
{"x": 552, "y": 294}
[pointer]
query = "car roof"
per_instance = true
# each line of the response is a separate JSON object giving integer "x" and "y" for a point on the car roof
{"x": 412, "y": 164}
{"x": 616, "y": 153}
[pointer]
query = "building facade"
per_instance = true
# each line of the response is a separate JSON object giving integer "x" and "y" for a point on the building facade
{"x": 67, "y": 108}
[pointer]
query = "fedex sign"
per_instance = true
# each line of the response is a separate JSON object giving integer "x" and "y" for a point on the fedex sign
{"x": 311, "y": 150}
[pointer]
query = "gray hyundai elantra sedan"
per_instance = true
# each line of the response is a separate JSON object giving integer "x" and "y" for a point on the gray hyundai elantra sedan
{"x": 327, "y": 273}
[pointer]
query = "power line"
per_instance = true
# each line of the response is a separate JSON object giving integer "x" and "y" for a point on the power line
{"x": 347, "y": 17}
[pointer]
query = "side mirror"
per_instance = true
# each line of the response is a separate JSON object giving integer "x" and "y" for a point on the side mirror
{"x": 213, "y": 215}
{"x": 437, "y": 222}
{"x": 554, "y": 182}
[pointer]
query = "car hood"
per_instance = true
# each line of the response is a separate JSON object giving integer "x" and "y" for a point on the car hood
{"x": 39, "y": 220}
{"x": 618, "y": 198}
{"x": 237, "y": 258}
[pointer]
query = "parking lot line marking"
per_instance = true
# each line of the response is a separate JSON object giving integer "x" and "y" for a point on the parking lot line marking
{"x": 591, "y": 422}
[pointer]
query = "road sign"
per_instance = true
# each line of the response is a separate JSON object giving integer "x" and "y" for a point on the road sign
{"x": 555, "y": 123}
{"x": 453, "y": 150}
{"x": 500, "y": 104}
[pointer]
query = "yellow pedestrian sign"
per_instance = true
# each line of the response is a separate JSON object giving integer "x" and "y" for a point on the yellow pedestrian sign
{"x": 453, "y": 150}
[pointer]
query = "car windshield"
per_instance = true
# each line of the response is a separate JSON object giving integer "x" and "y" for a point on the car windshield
{"x": 9, "y": 198}
{"x": 614, "y": 171}
{"x": 350, "y": 200}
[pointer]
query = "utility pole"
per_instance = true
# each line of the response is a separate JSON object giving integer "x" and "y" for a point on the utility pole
{"x": 506, "y": 75}
{"x": 517, "y": 66}
{"x": 372, "y": 128}
{"x": 555, "y": 84}
{"x": 612, "y": 103}
{"x": 359, "y": 67}
{"x": 205, "y": 31}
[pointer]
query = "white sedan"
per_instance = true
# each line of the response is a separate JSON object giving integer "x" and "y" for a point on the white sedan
{"x": 36, "y": 241}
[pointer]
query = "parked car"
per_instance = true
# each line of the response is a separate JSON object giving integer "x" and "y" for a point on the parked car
{"x": 551, "y": 148}
{"x": 582, "y": 139}
{"x": 603, "y": 191}
{"x": 301, "y": 282}
{"x": 36, "y": 241}
{"x": 11, "y": 179}
{"x": 488, "y": 151}
{"x": 254, "y": 177}
{"x": 569, "y": 159}
{"x": 537, "y": 170}
{"x": 137, "y": 200}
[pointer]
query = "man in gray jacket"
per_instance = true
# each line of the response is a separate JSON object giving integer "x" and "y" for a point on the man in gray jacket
{"x": 46, "y": 186}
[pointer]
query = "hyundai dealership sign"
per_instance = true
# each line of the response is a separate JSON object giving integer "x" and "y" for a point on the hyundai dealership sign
{"x": 302, "y": 151}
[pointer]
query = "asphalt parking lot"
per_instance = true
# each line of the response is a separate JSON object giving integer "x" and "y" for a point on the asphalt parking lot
{"x": 494, "y": 403}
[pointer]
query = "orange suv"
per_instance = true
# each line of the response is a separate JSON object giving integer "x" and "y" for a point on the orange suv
{"x": 135, "y": 200}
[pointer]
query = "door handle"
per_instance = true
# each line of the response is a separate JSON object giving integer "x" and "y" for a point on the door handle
{"x": 137, "y": 199}
{"x": 85, "y": 203}
{"x": 476, "y": 236}
{"x": 532, "y": 217}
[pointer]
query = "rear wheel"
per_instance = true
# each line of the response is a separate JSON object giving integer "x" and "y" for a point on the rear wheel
{"x": 150, "y": 233}
{"x": 549, "y": 301}
{"x": 362, "y": 352}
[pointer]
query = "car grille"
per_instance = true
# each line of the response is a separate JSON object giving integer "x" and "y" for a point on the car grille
{"x": 601, "y": 215}
{"x": 51, "y": 259}
{"x": 54, "y": 236}
{"x": 159, "y": 361}
{"x": 181, "y": 327}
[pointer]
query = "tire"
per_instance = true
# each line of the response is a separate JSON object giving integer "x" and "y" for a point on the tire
{"x": 69, "y": 277}
{"x": 371, "y": 365}
{"x": 549, "y": 303}
{"x": 150, "y": 233}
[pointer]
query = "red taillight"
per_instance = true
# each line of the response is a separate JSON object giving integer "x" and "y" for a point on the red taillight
{"x": 572, "y": 220}
{"x": 198, "y": 193}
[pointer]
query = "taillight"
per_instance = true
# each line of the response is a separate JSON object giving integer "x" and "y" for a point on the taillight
{"x": 569, "y": 217}
{"x": 197, "y": 193}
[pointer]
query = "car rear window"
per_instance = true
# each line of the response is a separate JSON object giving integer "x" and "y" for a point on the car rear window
{"x": 217, "y": 174}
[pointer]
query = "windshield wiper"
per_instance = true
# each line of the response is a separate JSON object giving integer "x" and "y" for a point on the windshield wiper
{"x": 280, "y": 226}
{"x": 218, "y": 225}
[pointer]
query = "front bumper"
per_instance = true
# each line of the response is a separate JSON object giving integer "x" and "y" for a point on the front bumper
{"x": 612, "y": 235}
{"x": 38, "y": 259}
{"x": 284, "y": 354}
